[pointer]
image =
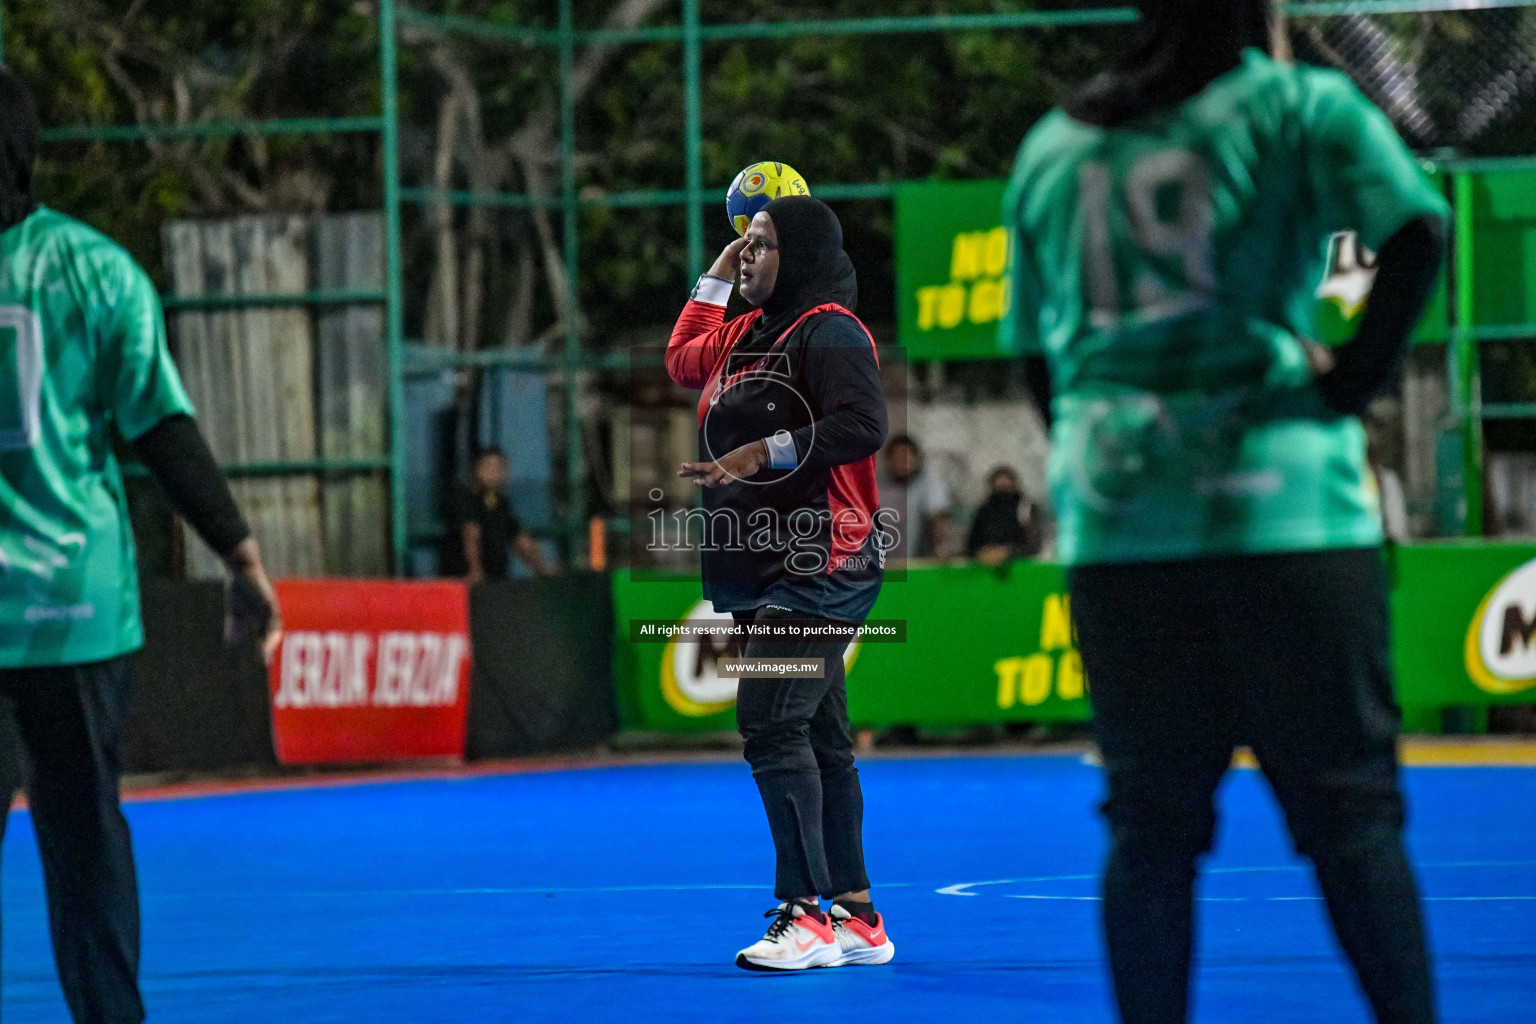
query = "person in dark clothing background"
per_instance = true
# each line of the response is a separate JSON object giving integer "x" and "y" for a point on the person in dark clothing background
{"x": 997, "y": 534}
{"x": 486, "y": 530}
{"x": 790, "y": 420}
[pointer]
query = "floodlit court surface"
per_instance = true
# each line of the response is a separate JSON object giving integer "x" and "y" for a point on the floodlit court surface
{"x": 621, "y": 893}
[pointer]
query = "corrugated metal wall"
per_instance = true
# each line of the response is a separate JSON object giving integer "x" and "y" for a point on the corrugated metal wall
{"x": 290, "y": 383}
{"x": 354, "y": 387}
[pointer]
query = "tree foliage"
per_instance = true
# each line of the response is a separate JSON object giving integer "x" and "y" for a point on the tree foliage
{"x": 484, "y": 115}
{"x": 166, "y": 61}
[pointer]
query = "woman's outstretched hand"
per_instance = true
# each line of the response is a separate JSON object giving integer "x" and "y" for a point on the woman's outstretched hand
{"x": 729, "y": 261}
{"x": 741, "y": 464}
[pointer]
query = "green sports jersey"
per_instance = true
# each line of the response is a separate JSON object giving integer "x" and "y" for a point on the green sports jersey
{"x": 1167, "y": 269}
{"x": 82, "y": 352}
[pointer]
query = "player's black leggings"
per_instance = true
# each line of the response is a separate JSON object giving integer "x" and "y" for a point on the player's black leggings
{"x": 1284, "y": 653}
{"x": 70, "y": 719}
{"x": 801, "y": 753}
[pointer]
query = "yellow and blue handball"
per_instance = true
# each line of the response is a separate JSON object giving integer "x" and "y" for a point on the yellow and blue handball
{"x": 759, "y": 185}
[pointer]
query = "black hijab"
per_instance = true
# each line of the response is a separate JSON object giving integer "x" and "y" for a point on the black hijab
{"x": 1181, "y": 47}
{"x": 18, "y": 150}
{"x": 813, "y": 271}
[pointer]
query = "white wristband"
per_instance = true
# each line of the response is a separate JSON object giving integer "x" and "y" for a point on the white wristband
{"x": 713, "y": 290}
{"x": 781, "y": 451}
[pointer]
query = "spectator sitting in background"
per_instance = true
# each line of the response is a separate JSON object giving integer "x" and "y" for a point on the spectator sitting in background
{"x": 487, "y": 528}
{"x": 996, "y": 533}
{"x": 919, "y": 499}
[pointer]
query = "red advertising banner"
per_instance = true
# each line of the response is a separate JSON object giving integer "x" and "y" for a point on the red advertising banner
{"x": 370, "y": 671}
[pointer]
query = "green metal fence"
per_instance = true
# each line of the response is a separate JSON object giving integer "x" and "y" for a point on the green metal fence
{"x": 1462, "y": 347}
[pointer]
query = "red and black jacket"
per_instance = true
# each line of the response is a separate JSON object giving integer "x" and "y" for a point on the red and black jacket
{"x": 804, "y": 538}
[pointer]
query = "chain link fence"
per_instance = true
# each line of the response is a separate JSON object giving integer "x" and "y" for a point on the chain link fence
{"x": 1462, "y": 81}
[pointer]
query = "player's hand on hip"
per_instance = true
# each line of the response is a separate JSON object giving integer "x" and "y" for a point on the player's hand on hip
{"x": 741, "y": 464}
{"x": 729, "y": 261}
{"x": 1320, "y": 358}
{"x": 250, "y": 607}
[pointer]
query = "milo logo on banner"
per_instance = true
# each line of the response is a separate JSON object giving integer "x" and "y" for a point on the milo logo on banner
{"x": 1501, "y": 641}
{"x": 690, "y": 680}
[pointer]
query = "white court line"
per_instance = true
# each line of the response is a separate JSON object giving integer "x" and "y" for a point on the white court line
{"x": 959, "y": 888}
{"x": 537, "y": 890}
{"x": 1281, "y": 899}
{"x": 353, "y": 894}
{"x": 948, "y": 890}
{"x": 1201, "y": 899}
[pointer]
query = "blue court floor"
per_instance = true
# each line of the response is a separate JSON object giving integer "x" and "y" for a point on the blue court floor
{"x": 621, "y": 894}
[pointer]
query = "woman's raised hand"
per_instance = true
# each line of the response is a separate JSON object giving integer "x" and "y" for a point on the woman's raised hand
{"x": 729, "y": 261}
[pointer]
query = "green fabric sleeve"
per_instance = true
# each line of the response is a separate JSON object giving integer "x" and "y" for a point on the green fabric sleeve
{"x": 139, "y": 383}
{"x": 1018, "y": 332}
{"x": 1362, "y": 172}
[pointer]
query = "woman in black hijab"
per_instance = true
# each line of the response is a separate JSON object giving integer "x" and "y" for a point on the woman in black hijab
{"x": 790, "y": 420}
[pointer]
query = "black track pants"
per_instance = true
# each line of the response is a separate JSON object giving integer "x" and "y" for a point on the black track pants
{"x": 801, "y": 753}
{"x": 1287, "y": 654}
{"x": 70, "y": 719}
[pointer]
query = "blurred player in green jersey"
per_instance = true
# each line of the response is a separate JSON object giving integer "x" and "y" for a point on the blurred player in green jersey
{"x": 1209, "y": 471}
{"x": 83, "y": 357}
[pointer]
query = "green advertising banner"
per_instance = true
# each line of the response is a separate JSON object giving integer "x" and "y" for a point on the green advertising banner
{"x": 1504, "y": 226}
{"x": 991, "y": 646}
{"x": 982, "y": 646}
{"x": 952, "y": 268}
{"x": 1464, "y": 624}
{"x": 953, "y": 258}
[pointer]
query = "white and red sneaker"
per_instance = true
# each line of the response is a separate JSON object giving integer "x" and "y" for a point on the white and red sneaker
{"x": 796, "y": 940}
{"x": 857, "y": 942}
